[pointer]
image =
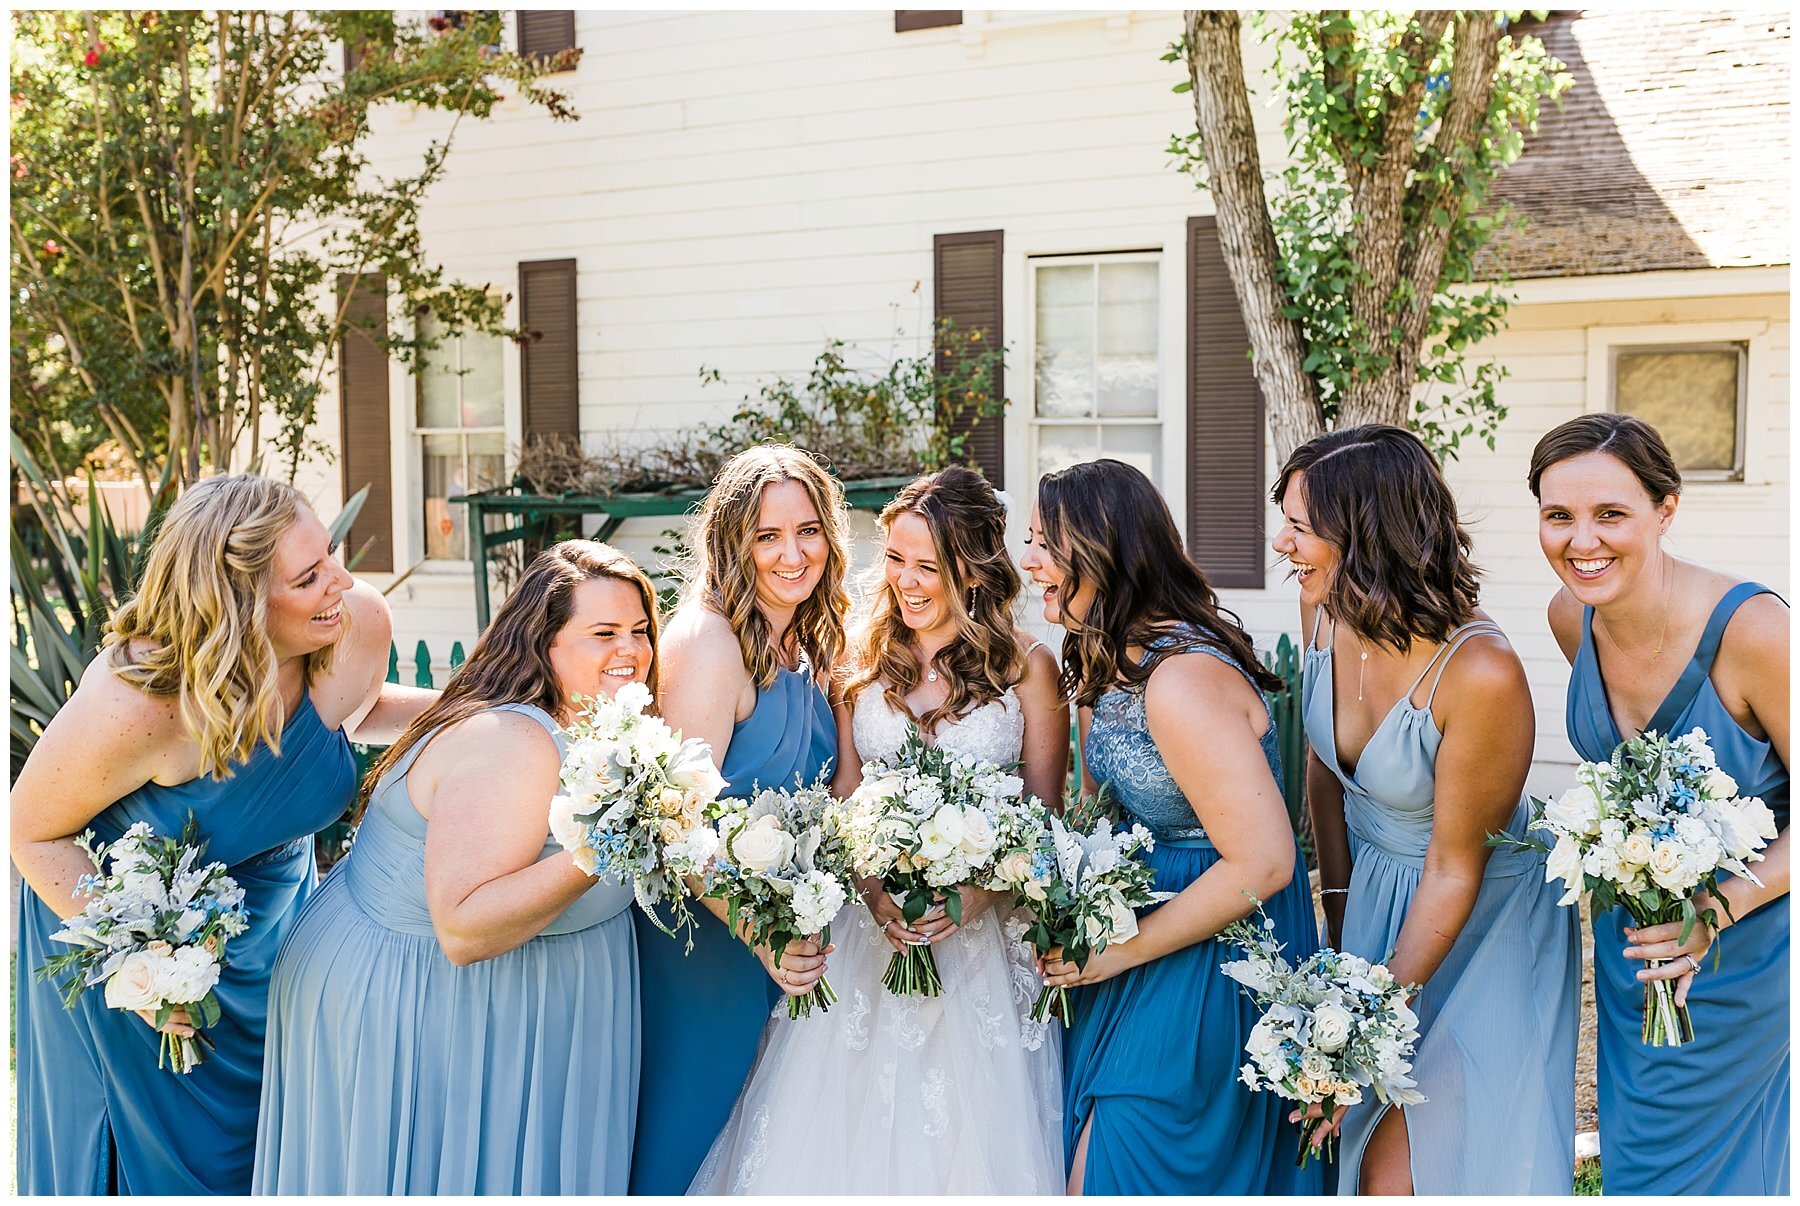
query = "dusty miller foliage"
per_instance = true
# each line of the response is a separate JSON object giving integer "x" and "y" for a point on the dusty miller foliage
{"x": 1315, "y": 228}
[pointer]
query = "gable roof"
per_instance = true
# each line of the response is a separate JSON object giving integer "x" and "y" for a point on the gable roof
{"x": 1671, "y": 149}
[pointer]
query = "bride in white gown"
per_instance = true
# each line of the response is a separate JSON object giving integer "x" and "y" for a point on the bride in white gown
{"x": 959, "y": 1093}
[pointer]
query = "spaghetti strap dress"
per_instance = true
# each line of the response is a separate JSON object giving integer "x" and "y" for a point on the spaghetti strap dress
{"x": 391, "y": 1070}
{"x": 1710, "y": 1116}
{"x": 1151, "y": 1060}
{"x": 1498, "y": 1019}
{"x": 704, "y": 1011}
{"x": 96, "y": 1115}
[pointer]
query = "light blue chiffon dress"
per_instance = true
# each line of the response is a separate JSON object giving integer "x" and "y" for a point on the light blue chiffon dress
{"x": 704, "y": 1011}
{"x": 391, "y": 1070}
{"x": 96, "y": 1115}
{"x": 1152, "y": 1056}
{"x": 1710, "y": 1116}
{"x": 1499, "y": 1017}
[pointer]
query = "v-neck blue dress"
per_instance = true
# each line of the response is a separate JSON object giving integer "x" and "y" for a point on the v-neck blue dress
{"x": 1498, "y": 1019}
{"x": 1710, "y": 1116}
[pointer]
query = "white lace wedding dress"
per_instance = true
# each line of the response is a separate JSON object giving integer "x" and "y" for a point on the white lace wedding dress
{"x": 960, "y": 1093}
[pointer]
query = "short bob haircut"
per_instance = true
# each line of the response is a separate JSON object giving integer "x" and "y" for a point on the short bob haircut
{"x": 1376, "y": 495}
{"x": 1627, "y": 438}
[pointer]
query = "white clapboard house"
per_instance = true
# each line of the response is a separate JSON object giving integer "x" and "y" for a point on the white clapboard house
{"x": 742, "y": 186}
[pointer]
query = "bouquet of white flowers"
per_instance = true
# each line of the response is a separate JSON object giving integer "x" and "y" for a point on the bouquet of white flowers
{"x": 924, "y": 822}
{"x": 782, "y": 870}
{"x": 633, "y": 801}
{"x": 154, "y": 932}
{"x": 1083, "y": 883}
{"x": 1330, "y": 1028}
{"x": 1650, "y": 830}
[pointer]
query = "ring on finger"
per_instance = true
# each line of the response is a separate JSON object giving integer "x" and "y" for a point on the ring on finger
{"x": 1693, "y": 964}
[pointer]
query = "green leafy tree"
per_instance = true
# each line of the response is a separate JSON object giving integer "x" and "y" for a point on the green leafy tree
{"x": 187, "y": 187}
{"x": 1355, "y": 266}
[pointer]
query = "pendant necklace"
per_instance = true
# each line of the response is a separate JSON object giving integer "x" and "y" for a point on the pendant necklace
{"x": 1668, "y": 598}
{"x": 1362, "y": 666}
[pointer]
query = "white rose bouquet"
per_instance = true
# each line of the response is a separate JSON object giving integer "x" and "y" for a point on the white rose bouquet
{"x": 1083, "y": 883}
{"x": 1649, "y": 831}
{"x": 634, "y": 800}
{"x": 923, "y": 823}
{"x": 782, "y": 870}
{"x": 1331, "y": 1027}
{"x": 153, "y": 932}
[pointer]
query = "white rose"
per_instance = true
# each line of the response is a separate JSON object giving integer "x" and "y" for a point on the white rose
{"x": 693, "y": 773}
{"x": 1316, "y": 1065}
{"x": 1635, "y": 849}
{"x": 1264, "y": 1039}
{"x": 762, "y": 845}
{"x": 1564, "y": 863}
{"x": 1576, "y": 811}
{"x": 1124, "y": 921}
{"x": 1666, "y": 866}
{"x": 978, "y": 834}
{"x": 1037, "y": 889}
{"x": 1014, "y": 869}
{"x": 587, "y": 859}
{"x": 568, "y": 832}
{"x": 133, "y": 983}
{"x": 1719, "y": 785}
{"x": 1332, "y": 1025}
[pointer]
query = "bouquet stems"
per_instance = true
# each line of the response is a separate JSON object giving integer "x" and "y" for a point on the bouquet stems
{"x": 913, "y": 972}
{"x": 1053, "y": 1003}
{"x": 1327, "y": 1151}
{"x": 184, "y": 1052}
{"x": 1666, "y": 1024}
{"x": 822, "y": 997}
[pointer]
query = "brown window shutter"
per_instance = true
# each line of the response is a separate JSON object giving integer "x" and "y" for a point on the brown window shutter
{"x": 367, "y": 456}
{"x": 966, "y": 290}
{"x": 908, "y": 19}
{"x": 547, "y": 361}
{"x": 1225, "y": 422}
{"x": 545, "y": 34}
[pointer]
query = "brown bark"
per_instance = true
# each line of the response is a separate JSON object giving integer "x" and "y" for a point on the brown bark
{"x": 1246, "y": 237}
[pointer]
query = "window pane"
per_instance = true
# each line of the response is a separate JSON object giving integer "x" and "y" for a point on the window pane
{"x": 1059, "y": 447}
{"x": 437, "y": 379}
{"x": 446, "y": 534}
{"x": 1690, "y": 397}
{"x": 1138, "y": 445}
{"x": 487, "y": 460}
{"x": 1064, "y": 356}
{"x": 483, "y": 396}
{"x": 1127, "y": 369}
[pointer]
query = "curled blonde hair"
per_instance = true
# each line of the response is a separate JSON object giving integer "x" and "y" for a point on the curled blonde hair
{"x": 201, "y": 617}
{"x": 722, "y": 576}
{"x": 981, "y": 587}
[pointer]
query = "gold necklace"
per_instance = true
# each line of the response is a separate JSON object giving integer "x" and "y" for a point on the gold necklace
{"x": 1362, "y": 665}
{"x": 1668, "y": 596}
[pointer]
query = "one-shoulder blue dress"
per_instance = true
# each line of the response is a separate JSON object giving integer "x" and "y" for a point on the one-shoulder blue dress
{"x": 704, "y": 1011}
{"x": 96, "y": 1115}
{"x": 393, "y": 1071}
{"x": 1152, "y": 1056}
{"x": 1498, "y": 1020}
{"x": 1710, "y": 1116}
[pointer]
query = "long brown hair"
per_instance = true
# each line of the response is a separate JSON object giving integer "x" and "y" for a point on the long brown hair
{"x": 1105, "y": 524}
{"x": 723, "y": 573}
{"x": 981, "y": 588}
{"x": 511, "y": 661}
{"x": 1376, "y": 495}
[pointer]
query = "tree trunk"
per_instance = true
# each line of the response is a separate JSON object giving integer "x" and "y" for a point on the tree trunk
{"x": 1246, "y": 237}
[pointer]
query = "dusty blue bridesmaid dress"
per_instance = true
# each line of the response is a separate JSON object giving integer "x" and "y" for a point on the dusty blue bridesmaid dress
{"x": 704, "y": 1012}
{"x": 96, "y": 1115}
{"x": 1153, "y": 1055}
{"x": 1711, "y": 1116}
{"x": 1498, "y": 1019}
{"x": 391, "y": 1070}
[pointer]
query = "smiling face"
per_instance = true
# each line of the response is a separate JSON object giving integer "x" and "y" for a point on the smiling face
{"x": 1599, "y": 528}
{"x": 606, "y": 642}
{"x": 1047, "y": 572}
{"x": 1313, "y": 559}
{"x": 921, "y": 593}
{"x": 789, "y": 546}
{"x": 306, "y": 589}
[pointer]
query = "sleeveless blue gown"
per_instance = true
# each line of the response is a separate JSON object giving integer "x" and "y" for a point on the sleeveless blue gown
{"x": 391, "y": 1070}
{"x": 1499, "y": 1018}
{"x": 704, "y": 1011}
{"x": 96, "y": 1115}
{"x": 1711, "y": 1116}
{"x": 1152, "y": 1056}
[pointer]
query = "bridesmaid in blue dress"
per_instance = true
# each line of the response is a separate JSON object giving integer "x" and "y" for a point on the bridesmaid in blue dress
{"x": 747, "y": 656}
{"x": 1709, "y": 1117}
{"x": 225, "y": 689}
{"x": 455, "y": 1011}
{"x": 1419, "y": 751}
{"x": 1175, "y": 724}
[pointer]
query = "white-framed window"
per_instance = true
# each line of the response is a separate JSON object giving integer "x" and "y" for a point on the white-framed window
{"x": 1096, "y": 356}
{"x": 1693, "y": 394}
{"x": 459, "y": 424}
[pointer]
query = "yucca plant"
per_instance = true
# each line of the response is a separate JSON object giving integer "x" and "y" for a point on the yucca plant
{"x": 61, "y": 605}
